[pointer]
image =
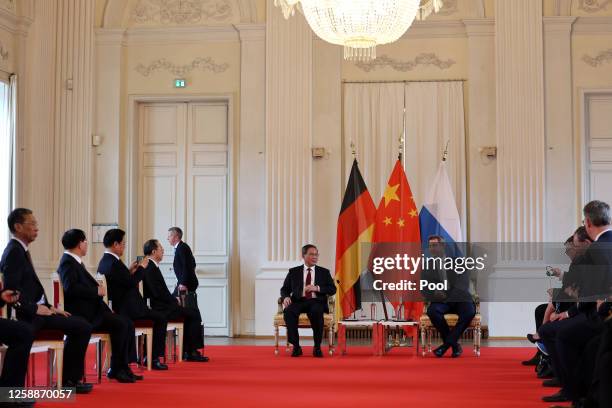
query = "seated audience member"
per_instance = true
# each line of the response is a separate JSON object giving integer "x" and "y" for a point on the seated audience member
{"x": 457, "y": 299}
{"x": 123, "y": 288}
{"x": 83, "y": 297}
{"x": 566, "y": 340}
{"x": 563, "y": 301}
{"x": 34, "y": 307}
{"x": 162, "y": 301}
{"x": 18, "y": 338}
{"x": 305, "y": 290}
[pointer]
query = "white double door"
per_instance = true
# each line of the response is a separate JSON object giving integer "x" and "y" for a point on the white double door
{"x": 183, "y": 181}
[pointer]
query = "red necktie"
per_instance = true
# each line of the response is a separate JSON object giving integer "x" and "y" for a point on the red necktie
{"x": 309, "y": 282}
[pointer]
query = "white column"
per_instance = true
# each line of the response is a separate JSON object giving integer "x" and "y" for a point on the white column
{"x": 288, "y": 166}
{"x": 288, "y": 134}
{"x": 520, "y": 120}
{"x": 73, "y": 117}
{"x": 560, "y": 166}
{"x": 107, "y": 180}
{"x": 36, "y": 133}
{"x": 481, "y": 109}
{"x": 251, "y": 171}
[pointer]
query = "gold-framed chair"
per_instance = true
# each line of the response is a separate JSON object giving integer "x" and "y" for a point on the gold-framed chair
{"x": 427, "y": 329}
{"x": 329, "y": 324}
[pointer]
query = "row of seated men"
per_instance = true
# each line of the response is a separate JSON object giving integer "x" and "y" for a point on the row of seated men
{"x": 574, "y": 330}
{"x": 85, "y": 311}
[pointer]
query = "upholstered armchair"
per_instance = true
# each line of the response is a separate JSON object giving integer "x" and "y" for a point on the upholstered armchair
{"x": 329, "y": 323}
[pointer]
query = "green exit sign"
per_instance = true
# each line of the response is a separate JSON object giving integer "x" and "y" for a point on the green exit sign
{"x": 180, "y": 83}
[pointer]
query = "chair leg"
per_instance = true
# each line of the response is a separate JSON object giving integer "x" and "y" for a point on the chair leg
{"x": 276, "y": 335}
{"x": 331, "y": 339}
{"x": 478, "y": 336}
{"x": 423, "y": 339}
{"x": 179, "y": 333}
{"x": 99, "y": 360}
{"x": 149, "y": 351}
{"x": 59, "y": 355}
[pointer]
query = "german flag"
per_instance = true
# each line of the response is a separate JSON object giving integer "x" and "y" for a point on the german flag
{"x": 355, "y": 227}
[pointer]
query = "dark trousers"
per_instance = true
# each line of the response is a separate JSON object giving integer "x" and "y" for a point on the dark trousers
{"x": 78, "y": 332}
{"x": 192, "y": 337}
{"x": 160, "y": 326}
{"x": 314, "y": 308}
{"x": 539, "y": 315}
{"x": 466, "y": 312}
{"x": 565, "y": 342}
{"x": 121, "y": 331}
{"x": 18, "y": 337}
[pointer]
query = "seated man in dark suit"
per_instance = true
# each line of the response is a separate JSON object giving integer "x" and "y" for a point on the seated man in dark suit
{"x": 457, "y": 299}
{"x": 305, "y": 290}
{"x": 567, "y": 339}
{"x": 83, "y": 297}
{"x": 123, "y": 288}
{"x": 34, "y": 307}
{"x": 18, "y": 337}
{"x": 162, "y": 301}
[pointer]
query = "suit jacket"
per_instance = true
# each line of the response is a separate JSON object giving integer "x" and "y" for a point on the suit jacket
{"x": 155, "y": 288}
{"x": 19, "y": 274}
{"x": 294, "y": 284}
{"x": 123, "y": 287}
{"x": 184, "y": 267}
{"x": 597, "y": 280}
{"x": 80, "y": 291}
{"x": 458, "y": 286}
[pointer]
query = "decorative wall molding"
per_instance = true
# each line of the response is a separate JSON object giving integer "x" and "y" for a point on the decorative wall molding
{"x": 168, "y": 12}
{"x": 595, "y": 25}
{"x": 202, "y": 63}
{"x": 450, "y": 7}
{"x": 424, "y": 59}
{"x": 563, "y": 7}
{"x": 593, "y": 6}
{"x": 602, "y": 58}
{"x": 435, "y": 29}
{"x": 9, "y": 5}
{"x": 182, "y": 35}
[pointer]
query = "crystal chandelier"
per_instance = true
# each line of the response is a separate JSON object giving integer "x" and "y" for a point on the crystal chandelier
{"x": 360, "y": 25}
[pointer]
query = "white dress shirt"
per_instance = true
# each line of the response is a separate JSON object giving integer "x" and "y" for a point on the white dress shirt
{"x": 75, "y": 256}
{"x": 113, "y": 254}
{"x": 312, "y": 281}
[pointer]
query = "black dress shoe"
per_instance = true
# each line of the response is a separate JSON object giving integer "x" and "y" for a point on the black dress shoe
{"x": 195, "y": 356}
{"x": 533, "y": 361}
{"x": 439, "y": 351}
{"x": 156, "y": 365}
{"x": 136, "y": 377}
{"x": 457, "y": 350}
{"x": 316, "y": 352}
{"x": 79, "y": 386}
{"x": 121, "y": 375}
{"x": 558, "y": 397}
{"x": 297, "y": 351}
{"x": 551, "y": 382}
{"x": 532, "y": 338}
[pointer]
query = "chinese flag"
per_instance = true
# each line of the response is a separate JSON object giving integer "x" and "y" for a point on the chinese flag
{"x": 355, "y": 227}
{"x": 397, "y": 221}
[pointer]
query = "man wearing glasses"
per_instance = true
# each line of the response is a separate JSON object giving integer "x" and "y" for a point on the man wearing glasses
{"x": 34, "y": 307}
{"x": 305, "y": 290}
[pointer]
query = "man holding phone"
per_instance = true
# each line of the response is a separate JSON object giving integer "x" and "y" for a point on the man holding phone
{"x": 18, "y": 336}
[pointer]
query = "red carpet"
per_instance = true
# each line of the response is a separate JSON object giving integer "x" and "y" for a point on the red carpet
{"x": 251, "y": 376}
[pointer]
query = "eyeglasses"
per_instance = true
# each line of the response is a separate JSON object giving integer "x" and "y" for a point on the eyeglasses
{"x": 33, "y": 224}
